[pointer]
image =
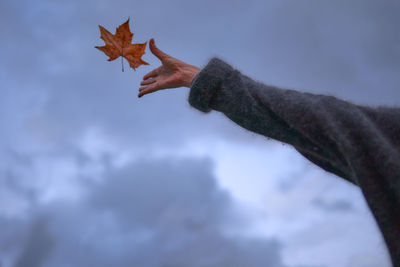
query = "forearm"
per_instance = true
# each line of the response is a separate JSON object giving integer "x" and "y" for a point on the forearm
{"x": 284, "y": 115}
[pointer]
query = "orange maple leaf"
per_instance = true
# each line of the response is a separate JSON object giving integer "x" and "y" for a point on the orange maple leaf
{"x": 120, "y": 45}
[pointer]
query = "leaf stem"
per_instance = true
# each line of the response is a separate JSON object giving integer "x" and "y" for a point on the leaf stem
{"x": 122, "y": 63}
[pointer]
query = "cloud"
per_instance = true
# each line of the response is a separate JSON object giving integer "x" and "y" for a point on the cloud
{"x": 181, "y": 191}
{"x": 337, "y": 205}
{"x": 160, "y": 212}
{"x": 38, "y": 246}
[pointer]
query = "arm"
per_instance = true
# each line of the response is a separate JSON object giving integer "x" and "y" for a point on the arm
{"x": 328, "y": 131}
{"x": 315, "y": 125}
{"x": 299, "y": 119}
{"x": 358, "y": 143}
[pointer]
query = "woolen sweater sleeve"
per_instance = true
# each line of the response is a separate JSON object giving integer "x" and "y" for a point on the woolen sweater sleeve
{"x": 358, "y": 143}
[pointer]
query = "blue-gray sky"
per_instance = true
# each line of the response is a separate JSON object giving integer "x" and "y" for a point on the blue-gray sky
{"x": 92, "y": 175}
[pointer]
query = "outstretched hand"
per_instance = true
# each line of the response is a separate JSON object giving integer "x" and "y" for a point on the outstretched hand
{"x": 172, "y": 73}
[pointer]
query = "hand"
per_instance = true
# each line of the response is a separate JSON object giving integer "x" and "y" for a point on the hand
{"x": 172, "y": 73}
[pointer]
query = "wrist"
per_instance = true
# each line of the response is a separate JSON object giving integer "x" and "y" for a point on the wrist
{"x": 191, "y": 73}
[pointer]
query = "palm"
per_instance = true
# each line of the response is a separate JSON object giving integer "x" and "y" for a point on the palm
{"x": 168, "y": 74}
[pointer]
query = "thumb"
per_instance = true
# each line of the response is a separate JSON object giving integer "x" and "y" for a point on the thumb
{"x": 157, "y": 52}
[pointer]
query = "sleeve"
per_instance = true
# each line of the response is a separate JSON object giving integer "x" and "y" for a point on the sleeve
{"x": 358, "y": 143}
{"x": 324, "y": 129}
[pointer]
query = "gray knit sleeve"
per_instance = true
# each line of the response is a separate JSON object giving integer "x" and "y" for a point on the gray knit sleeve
{"x": 324, "y": 129}
{"x": 358, "y": 143}
{"x": 206, "y": 82}
{"x": 275, "y": 113}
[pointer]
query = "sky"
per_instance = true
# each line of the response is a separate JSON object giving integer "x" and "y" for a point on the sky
{"x": 91, "y": 175}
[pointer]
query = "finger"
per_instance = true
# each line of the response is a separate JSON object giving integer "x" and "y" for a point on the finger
{"x": 156, "y": 51}
{"x": 148, "y": 89}
{"x": 152, "y": 73}
{"x": 148, "y": 81}
{"x": 151, "y": 87}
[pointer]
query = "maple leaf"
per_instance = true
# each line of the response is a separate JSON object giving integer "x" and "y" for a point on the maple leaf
{"x": 120, "y": 45}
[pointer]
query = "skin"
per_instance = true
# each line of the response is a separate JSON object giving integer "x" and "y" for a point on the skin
{"x": 172, "y": 73}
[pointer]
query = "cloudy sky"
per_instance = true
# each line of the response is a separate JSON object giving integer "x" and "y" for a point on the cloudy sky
{"x": 90, "y": 175}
